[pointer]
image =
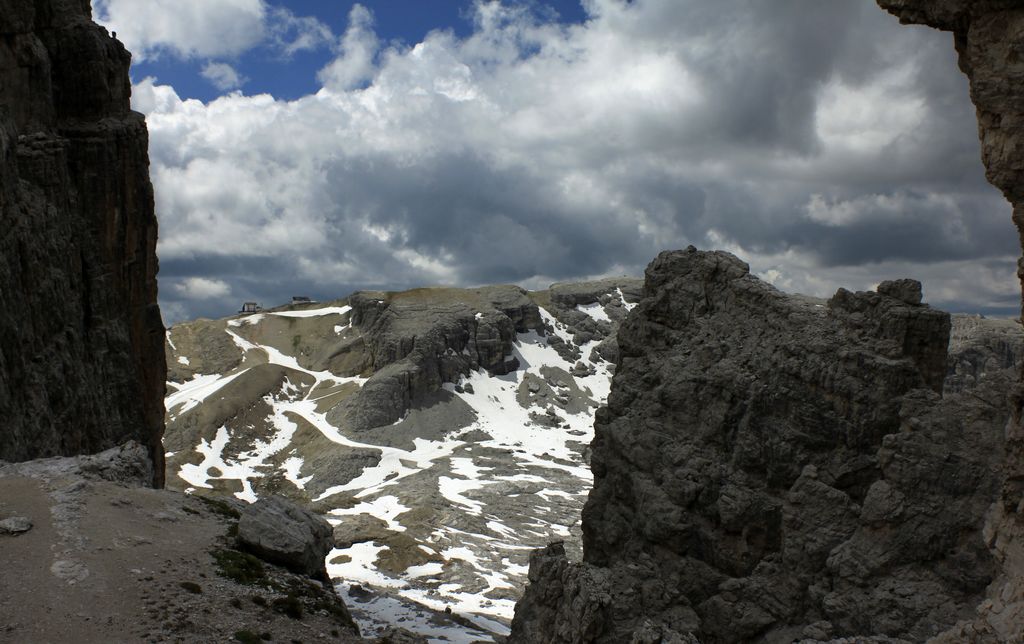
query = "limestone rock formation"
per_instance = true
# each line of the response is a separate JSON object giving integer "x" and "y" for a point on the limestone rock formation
{"x": 987, "y": 36}
{"x": 979, "y": 347}
{"x": 81, "y": 339}
{"x": 772, "y": 467}
{"x": 444, "y": 432}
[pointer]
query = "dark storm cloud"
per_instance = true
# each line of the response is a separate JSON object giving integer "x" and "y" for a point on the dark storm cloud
{"x": 805, "y": 136}
{"x": 507, "y": 224}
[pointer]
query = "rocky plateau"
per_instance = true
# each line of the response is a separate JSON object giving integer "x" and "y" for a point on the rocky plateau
{"x": 444, "y": 432}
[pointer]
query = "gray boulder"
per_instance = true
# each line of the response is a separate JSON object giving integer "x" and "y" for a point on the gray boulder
{"x": 282, "y": 533}
{"x": 15, "y": 525}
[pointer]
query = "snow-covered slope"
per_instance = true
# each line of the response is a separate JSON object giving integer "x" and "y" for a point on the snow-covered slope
{"x": 489, "y": 395}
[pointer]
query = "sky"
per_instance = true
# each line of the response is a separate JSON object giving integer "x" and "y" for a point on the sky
{"x": 317, "y": 147}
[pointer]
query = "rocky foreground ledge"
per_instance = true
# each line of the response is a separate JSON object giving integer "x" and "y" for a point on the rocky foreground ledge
{"x": 89, "y": 553}
{"x": 774, "y": 468}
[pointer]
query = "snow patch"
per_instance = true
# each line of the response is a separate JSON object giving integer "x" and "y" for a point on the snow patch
{"x": 212, "y": 452}
{"x": 385, "y": 508}
{"x": 312, "y": 313}
{"x": 292, "y": 467}
{"x": 195, "y": 391}
{"x": 595, "y": 310}
{"x": 381, "y": 612}
{"x": 247, "y": 320}
{"x": 629, "y": 306}
{"x": 361, "y": 567}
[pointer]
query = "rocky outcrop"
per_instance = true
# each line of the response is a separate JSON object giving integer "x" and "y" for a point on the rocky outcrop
{"x": 108, "y": 559}
{"x": 81, "y": 339}
{"x": 987, "y": 36}
{"x": 416, "y": 340}
{"x": 980, "y": 347}
{"x": 774, "y": 467}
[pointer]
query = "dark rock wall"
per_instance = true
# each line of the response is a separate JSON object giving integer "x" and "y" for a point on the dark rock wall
{"x": 774, "y": 467}
{"x": 905, "y": 520}
{"x": 81, "y": 339}
{"x": 989, "y": 38}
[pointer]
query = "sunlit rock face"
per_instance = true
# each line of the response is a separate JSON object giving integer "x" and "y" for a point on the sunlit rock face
{"x": 81, "y": 339}
{"x": 773, "y": 467}
{"x": 444, "y": 432}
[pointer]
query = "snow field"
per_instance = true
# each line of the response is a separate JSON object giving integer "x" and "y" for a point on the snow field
{"x": 495, "y": 557}
{"x": 311, "y": 313}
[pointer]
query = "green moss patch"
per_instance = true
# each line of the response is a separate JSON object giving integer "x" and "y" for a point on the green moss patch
{"x": 240, "y": 567}
{"x": 290, "y": 606}
{"x": 247, "y": 637}
{"x": 220, "y": 507}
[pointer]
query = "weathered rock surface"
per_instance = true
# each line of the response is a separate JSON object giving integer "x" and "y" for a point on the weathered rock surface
{"x": 987, "y": 36}
{"x": 15, "y": 525}
{"x": 979, "y": 347}
{"x": 81, "y": 339}
{"x": 285, "y": 534}
{"x": 773, "y": 468}
{"x": 109, "y": 559}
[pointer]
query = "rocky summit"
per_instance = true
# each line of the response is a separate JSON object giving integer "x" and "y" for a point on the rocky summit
{"x": 774, "y": 468}
{"x": 443, "y": 432}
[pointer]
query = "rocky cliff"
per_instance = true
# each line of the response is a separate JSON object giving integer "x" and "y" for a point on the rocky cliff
{"x": 81, "y": 339}
{"x": 988, "y": 38}
{"x": 700, "y": 526}
{"x": 772, "y": 467}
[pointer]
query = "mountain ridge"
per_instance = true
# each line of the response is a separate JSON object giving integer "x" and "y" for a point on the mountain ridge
{"x": 443, "y": 431}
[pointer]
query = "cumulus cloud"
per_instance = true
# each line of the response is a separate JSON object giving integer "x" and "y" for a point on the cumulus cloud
{"x": 822, "y": 142}
{"x": 292, "y": 34}
{"x": 223, "y": 76}
{"x": 207, "y": 28}
{"x": 354, "y": 64}
{"x": 201, "y": 288}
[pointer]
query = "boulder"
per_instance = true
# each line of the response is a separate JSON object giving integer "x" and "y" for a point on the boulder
{"x": 282, "y": 533}
{"x": 15, "y": 525}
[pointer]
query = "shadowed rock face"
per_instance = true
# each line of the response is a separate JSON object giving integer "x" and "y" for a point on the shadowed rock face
{"x": 989, "y": 38}
{"x": 774, "y": 467}
{"x": 81, "y": 339}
